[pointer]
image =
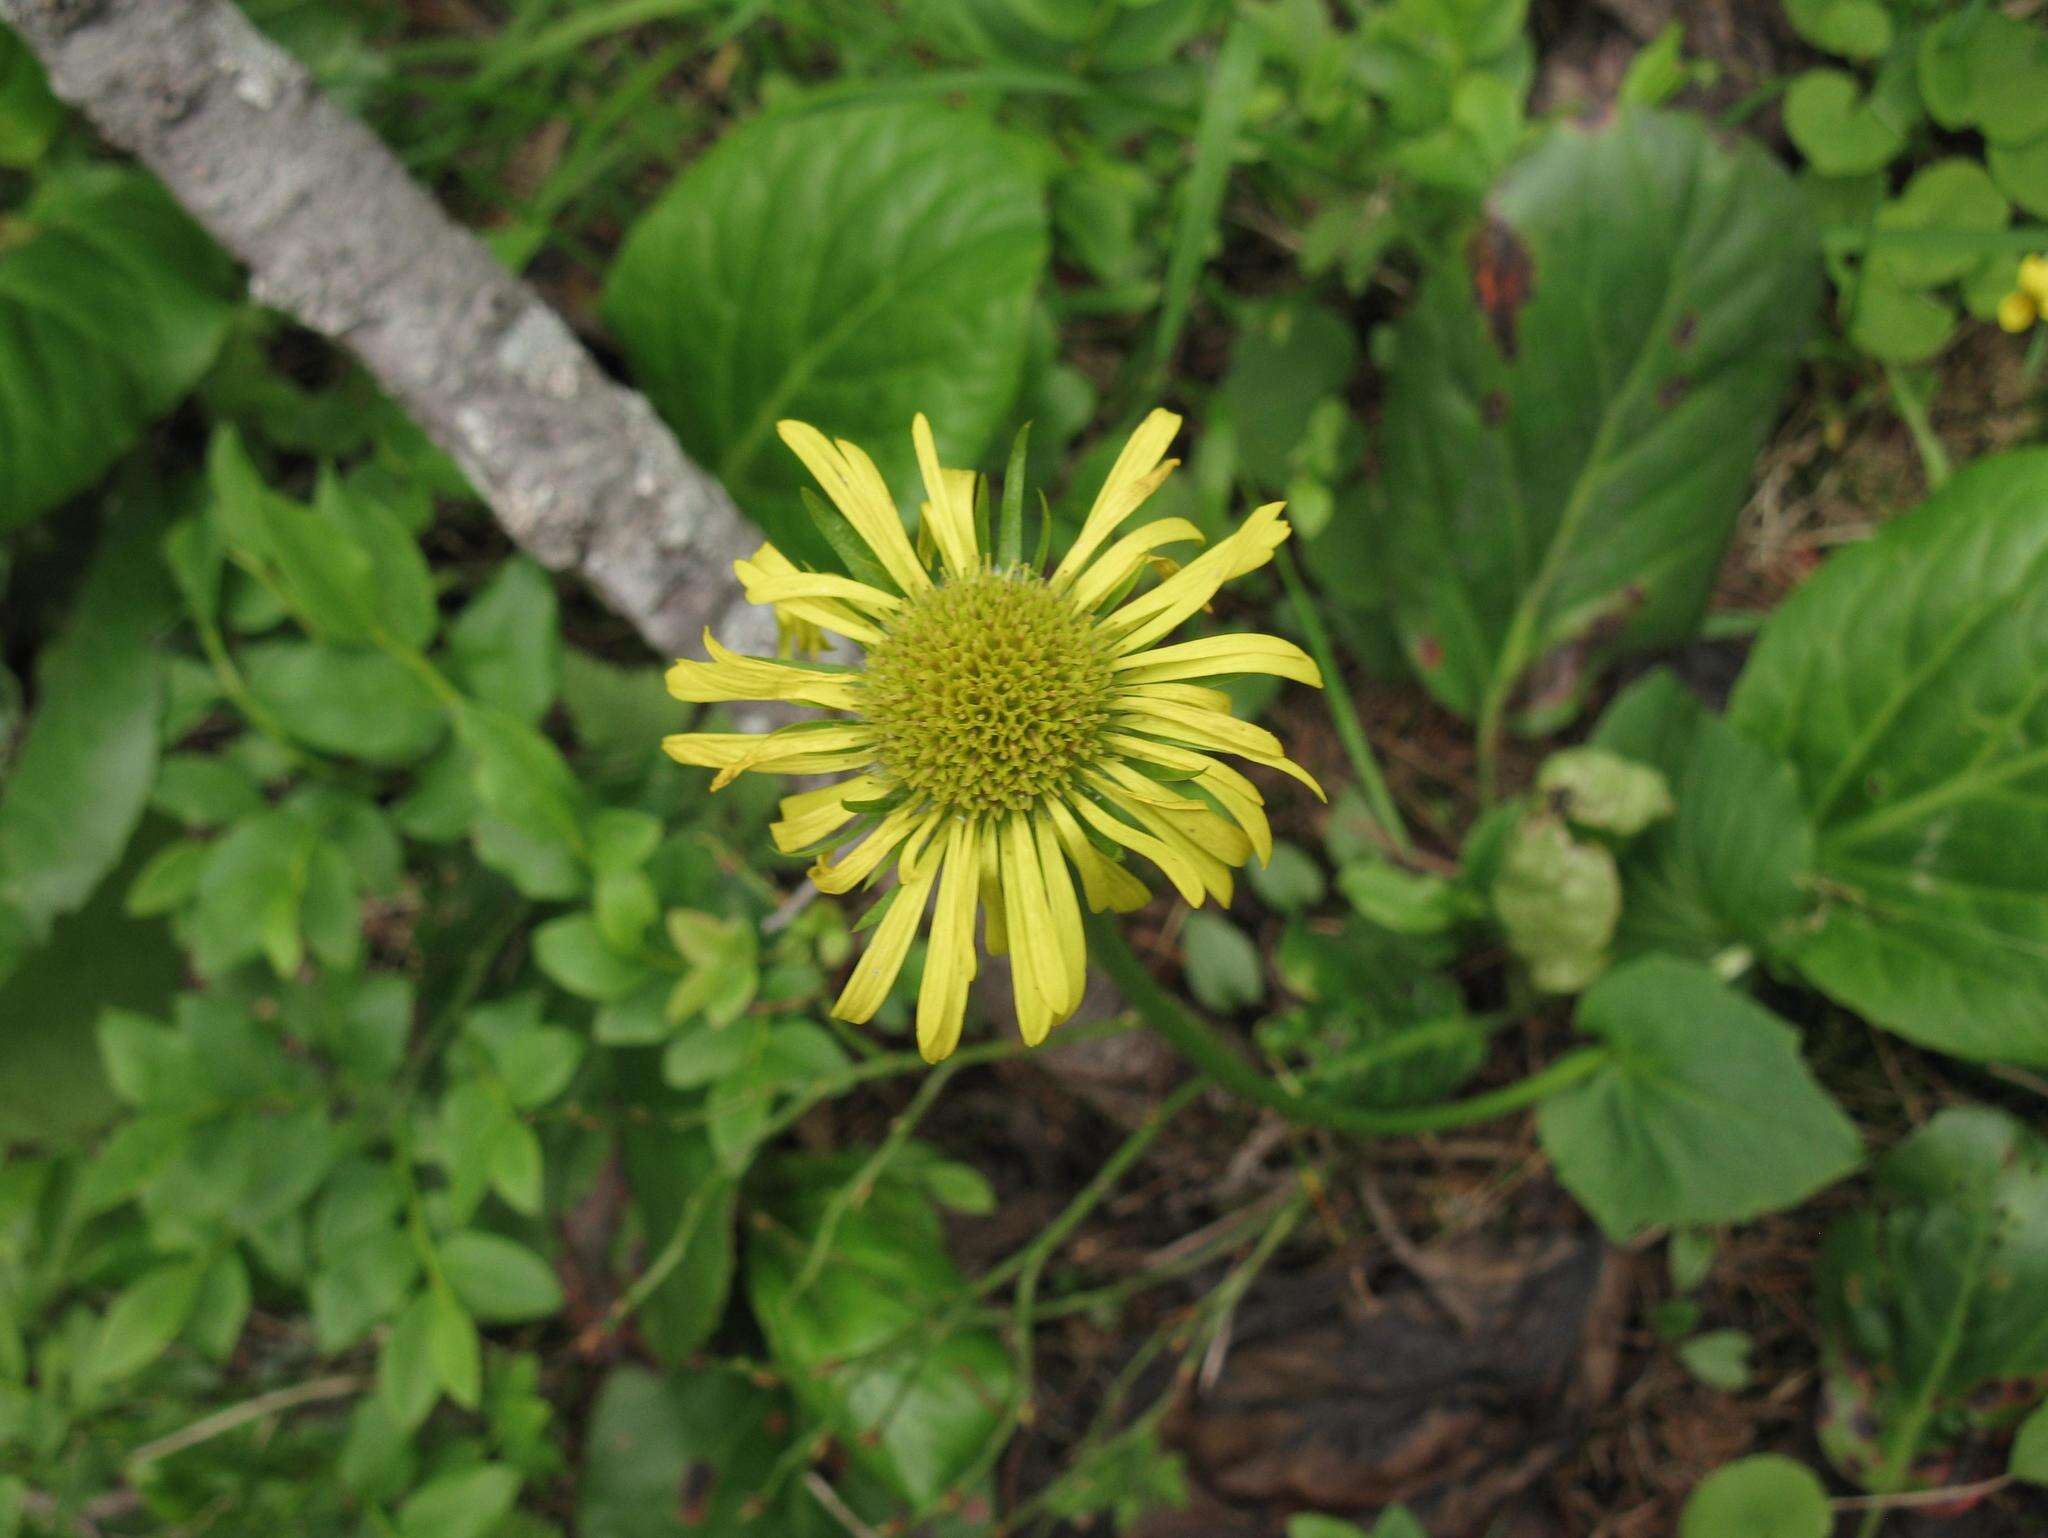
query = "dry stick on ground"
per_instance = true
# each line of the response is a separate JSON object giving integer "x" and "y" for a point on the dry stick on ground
{"x": 335, "y": 234}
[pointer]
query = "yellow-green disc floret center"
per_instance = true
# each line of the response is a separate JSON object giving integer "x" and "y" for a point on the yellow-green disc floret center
{"x": 987, "y": 693}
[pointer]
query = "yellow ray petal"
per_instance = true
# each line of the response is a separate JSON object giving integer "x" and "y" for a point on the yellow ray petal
{"x": 1214, "y": 730}
{"x": 731, "y": 676}
{"x": 1107, "y": 886}
{"x": 1037, "y": 972}
{"x": 781, "y": 588}
{"x": 857, "y": 489}
{"x": 876, "y": 971}
{"x": 1219, "y": 656}
{"x": 951, "y": 525}
{"x": 949, "y": 964}
{"x": 1185, "y": 874}
{"x": 995, "y": 924}
{"x": 827, "y": 615}
{"x": 1136, "y": 474}
{"x": 811, "y": 815}
{"x": 1194, "y": 696}
{"x": 1206, "y": 841}
{"x": 1237, "y": 795}
{"x": 1122, "y": 560}
{"x": 1158, "y": 610}
{"x": 809, "y": 748}
{"x": 1065, "y": 912}
{"x": 857, "y": 864}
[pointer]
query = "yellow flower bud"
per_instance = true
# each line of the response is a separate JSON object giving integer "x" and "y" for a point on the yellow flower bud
{"x": 2017, "y": 311}
{"x": 2034, "y": 280}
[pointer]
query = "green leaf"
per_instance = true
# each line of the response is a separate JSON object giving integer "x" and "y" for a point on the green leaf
{"x": 468, "y": 1503}
{"x": 1981, "y": 68}
{"x": 1854, "y": 29}
{"x": 1903, "y": 684}
{"x": 1223, "y": 967}
{"x": 204, "y": 790}
{"x": 1602, "y": 790}
{"x": 1286, "y": 357}
{"x": 1081, "y": 35}
{"x": 1840, "y": 130}
{"x": 1766, "y": 1496}
{"x": 1558, "y": 899}
{"x": 1570, "y": 427}
{"x": 2030, "y": 1449}
{"x": 408, "y": 1378}
{"x": 674, "y": 1179}
{"x": 499, "y": 1280}
{"x": 573, "y": 954}
{"x": 403, "y": 604}
{"x": 1719, "y": 1359}
{"x": 1898, "y": 325}
{"x": 672, "y": 1456}
{"x": 76, "y": 788}
{"x": 112, "y": 304}
{"x": 534, "y": 809}
{"x": 453, "y": 1348}
{"x": 346, "y": 701}
{"x": 1407, "y": 902}
{"x": 1124, "y": 1478}
{"x": 222, "y": 1308}
{"x": 29, "y": 115}
{"x": 1703, "y": 1113}
{"x": 536, "y": 1061}
{"x": 1934, "y": 1289}
{"x": 1956, "y": 197}
{"x": 847, "y": 268}
{"x": 143, "y": 1320}
{"x": 1732, "y": 866}
{"x": 1291, "y": 881}
{"x": 506, "y": 648}
{"x": 2021, "y": 171}
{"x": 912, "y": 1411}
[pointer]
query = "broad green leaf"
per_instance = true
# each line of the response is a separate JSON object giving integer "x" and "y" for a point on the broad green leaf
{"x": 2030, "y": 1449}
{"x": 913, "y": 1411}
{"x": 499, "y": 1280}
{"x": 1904, "y": 685}
{"x": 112, "y": 303}
{"x": 1732, "y": 866}
{"x": 408, "y": 1379}
{"x": 674, "y": 1180}
{"x": 1224, "y": 971}
{"x": 1703, "y": 1113}
{"x": 453, "y": 1348}
{"x": 468, "y": 1503}
{"x": 1081, "y": 35}
{"x": 1765, "y": 1496}
{"x": 1605, "y": 791}
{"x": 534, "y": 809}
{"x": 573, "y": 954}
{"x": 1898, "y": 325}
{"x": 506, "y": 647}
{"x": 687, "y": 1454}
{"x": 144, "y": 1319}
{"x": 77, "y": 787}
{"x": 1841, "y": 130}
{"x": 1571, "y": 423}
{"x": 1934, "y": 1289}
{"x": 1286, "y": 357}
{"x": 848, "y": 268}
{"x": 1980, "y": 68}
{"x": 1558, "y": 899}
{"x": 1854, "y": 29}
{"x": 345, "y": 700}
{"x": 1955, "y": 196}
{"x": 536, "y": 1061}
{"x": 29, "y": 115}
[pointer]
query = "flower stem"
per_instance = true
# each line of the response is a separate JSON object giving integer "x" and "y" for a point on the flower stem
{"x": 1365, "y": 763}
{"x": 1912, "y": 409}
{"x": 1203, "y": 1046}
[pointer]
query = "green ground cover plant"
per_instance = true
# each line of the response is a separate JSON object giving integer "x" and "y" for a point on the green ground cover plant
{"x": 429, "y": 1111}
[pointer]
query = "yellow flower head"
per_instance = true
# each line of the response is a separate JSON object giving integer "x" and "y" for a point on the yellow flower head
{"x": 1011, "y": 727}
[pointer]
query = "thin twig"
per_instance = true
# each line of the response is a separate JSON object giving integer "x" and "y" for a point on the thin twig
{"x": 276, "y": 1402}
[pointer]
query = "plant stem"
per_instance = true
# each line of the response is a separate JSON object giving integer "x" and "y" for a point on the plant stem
{"x": 262, "y": 1407}
{"x": 1201, "y": 1044}
{"x": 1365, "y": 763}
{"x": 1913, "y": 412}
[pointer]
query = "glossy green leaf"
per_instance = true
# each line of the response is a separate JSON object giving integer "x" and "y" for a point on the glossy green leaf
{"x": 1904, "y": 685}
{"x": 506, "y": 648}
{"x": 1703, "y": 1113}
{"x": 847, "y": 268}
{"x": 499, "y": 1280}
{"x": 687, "y": 1455}
{"x": 29, "y": 115}
{"x": 1765, "y": 1496}
{"x": 112, "y": 303}
{"x": 1934, "y": 1289}
{"x": 77, "y": 787}
{"x": 914, "y": 1412}
{"x": 1571, "y": 423}
{"x": 1732, "y": 866}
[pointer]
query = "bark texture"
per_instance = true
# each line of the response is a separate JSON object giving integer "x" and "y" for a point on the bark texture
{"x": 335, "y": 234}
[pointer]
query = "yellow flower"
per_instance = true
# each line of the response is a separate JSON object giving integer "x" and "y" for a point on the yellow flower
{"x": 1011, "y": 728}
{"x": 2018, "y": 310}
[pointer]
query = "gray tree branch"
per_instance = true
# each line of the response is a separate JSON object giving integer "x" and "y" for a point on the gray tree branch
{"x": 334, "y": 233}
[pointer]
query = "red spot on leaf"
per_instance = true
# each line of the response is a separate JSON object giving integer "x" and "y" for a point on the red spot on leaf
{"x": 1429, "y": 653}
{"x": 1503, "y": 279}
